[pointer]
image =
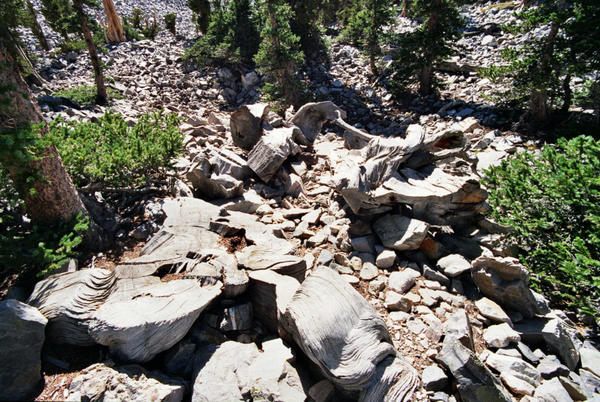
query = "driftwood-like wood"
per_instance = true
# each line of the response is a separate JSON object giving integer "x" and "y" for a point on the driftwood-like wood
{"x": 258, "y": 258}
{"x": 344, "y": 336}
{"x": 246, "y": 124}
{"x": 114, "y": 27}
{"x": 311, "y": 117}
{"x": 68, "y": 301}
{"x": 270, "y": 294}
{"x": 271, "y": 151}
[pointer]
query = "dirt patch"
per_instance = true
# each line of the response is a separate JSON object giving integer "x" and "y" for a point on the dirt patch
{"x": 234, "y": 243}
{"x": 172, "y": 277}
{"x": 111, "y": 258}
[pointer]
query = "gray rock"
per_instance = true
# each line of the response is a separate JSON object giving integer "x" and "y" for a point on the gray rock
{"x": 400, "y": 232}
{"x": 322, "y": 391}
{"x": 238, "y": 369}
{"x": 131, "y": 383}
{"x": 514, "y": 366}
{"x": 434, "y": 378}
{"x": 139, "y": 324}
{"x": 475, "y": 382}
{"x": 590, "y": 384}
{"x": 434, "y": 275}
{"x": 179, "y": 360}
{"x": 500, "y": 335}
{"x": 552, "y": 391}
{"x": 402, "y": 281}
{"x": 368, "y": 271}
{"x": 505, "y": 281}
{"x": 457, "y": 326}
{"x": 453, "y": 265}
{"x": 397, "y": 302}
{"x": 590, "y": 358}
{"x": 492, "y": 310}
{"x": 528, "y": 354}
{"x": 237, "y": 318}
{"x": 561, "y": 337}
{"x": 22, "y": 333}
{"x": 550, "y": 367}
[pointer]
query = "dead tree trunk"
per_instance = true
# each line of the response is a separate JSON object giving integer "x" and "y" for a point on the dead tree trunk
{"x": 36, "y": 29}
{"x": 115, "y": 30}
{"x": 101, "y": 96}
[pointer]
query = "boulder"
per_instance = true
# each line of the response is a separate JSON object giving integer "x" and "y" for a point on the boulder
{"x": 457, "y": 326}
{"x": 492, "y": 310}
{"x": 500, "y": 335}
{"x": 505, "y": 281}
{"x": 514, "y": 366}
{"x": 132, "y": 383}
{"x": 246, "y": 124}
{"x": 139, "y": 324}
{"x": 453, "y": 265}
{"x": 22, "y": 333}
{"x": 400, "y": 232}
{"x": 271, "y": 151}
{"x": 475, "y": 382}
{"x": 238, "y": 372}
{"x": 561, "y": 336}
{"x": 342, "y": 334}
{"x": 552, "y": 391}
{"x": 590, "y": 358}
{"x": 69, "y": 300}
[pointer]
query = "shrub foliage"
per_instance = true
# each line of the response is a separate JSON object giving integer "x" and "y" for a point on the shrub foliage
{"x": 552, "y": 200}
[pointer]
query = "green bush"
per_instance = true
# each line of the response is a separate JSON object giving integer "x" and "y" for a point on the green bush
{"x": 30, "y": 248}
{"x": 170, "y": 22}
{"x": 111, "y": 152}
{"x": 552, "y": 200}
{"x": 85, "y": 95}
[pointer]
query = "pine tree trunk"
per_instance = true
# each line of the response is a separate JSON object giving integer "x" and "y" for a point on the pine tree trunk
{"x": 115, "y": 30}
{"x": 404, "y": 6}
{"x": 55, "y": 198}
{"x": 568, "y": 94}
{"x": 36, "y": 29}
{"x": 101, "y": 96}
{"x": 426, "y": 74}
{"x": 372, "y": 38}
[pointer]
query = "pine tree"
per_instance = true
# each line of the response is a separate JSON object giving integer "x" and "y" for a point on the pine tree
{"x": 36, "y": 29}
{"x": 202, "y": 15}
{"x": 420, "y": 51}
{"x": 279, "y": 54}
{"x": 365, "y": 26}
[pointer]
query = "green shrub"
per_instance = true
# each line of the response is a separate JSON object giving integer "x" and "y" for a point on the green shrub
{"x": 552, "y": 199}
{"x": 170, "y": 22}
{"x": 137, "y": 15}
{"x": 30, "y": 248}
{"x": 85, "y": 95}
{"x": 113, "y": 153}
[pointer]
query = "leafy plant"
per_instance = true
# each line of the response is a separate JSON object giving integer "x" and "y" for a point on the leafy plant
{"x": 111, "y": 152}
{"x": 85, "y": 95}
{"x": 552, "y": 200}
{"x": 170, "y": 22}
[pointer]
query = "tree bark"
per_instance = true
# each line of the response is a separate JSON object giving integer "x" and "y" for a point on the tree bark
{"x": 404, "y": 6}
{"x": 426, "y": 75}
{"x": 115, "y": 30}
{"x": 55, "y": 198}
{"x": 101, "y": 96}
{"x": 36, "y": 29}
{"x": 372, "y": 38}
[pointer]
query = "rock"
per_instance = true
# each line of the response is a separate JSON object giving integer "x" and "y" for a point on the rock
{"x": 311, "y": 117}
{"x": 139, "y": 324}
{"x": 131, "y": 383}
{"x": 505, "y": 281}
{"x": 22, "y": 333}
{"x": 270, "y": 294}
{"x": 590, "y": 384}
{"x": 386, "y": 259}
{"x": 562, "y": 338}
{"x": 590, "y": 358}
{"x": 237, "y": 369}
{"x": 271, "y": 151}
{"x": 550, "y": 366}
{"x": 434, "y": 275}
{"x": 397, "y": 302}
{"x": 237, "y": 318}
{"x": 324, "y": 258}
{"x": 402, "y": 281}
{"x": 368, "y": 271}
{"x": 69, "y": 300}
{"x": 249, "y": 80}
{"x": 322, "y": 391}
{"x": 527, "y": 353}
{"x": 434, "y": 378}
{"x": 552, "y": 391}
{"x": 342, "y": 334}
{"x": 179, "y": 360}
{"x": 514, "y": 366}
{"x": 573, "y": 388}
{"x": 475, "y": 382}
{"x": 491, "y": 310}
{"x": 453, "y": 265}
{"x": 246, "y": 124}
{"x": 399, "y": 232}
{"x": 457, "y": 326}
{"x": 517, "y": 385}
{"x": 500, "y": 335}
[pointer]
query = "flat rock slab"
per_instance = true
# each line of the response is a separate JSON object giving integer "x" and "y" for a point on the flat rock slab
{"x": 69, "y": 300}
{"x": 514, "y": 366}
{"x": 561, "y": 337}
{"x": 492, "y": 310}
{"x": 239, "y": 372}
{"x": 343, "y": 335}
{"x": 139, "y": 326}
{"x": 453, "y": 265}
{"x": 125, "y": 383}
{"x": 22, "y": 333}
{"x": 400, "y": 232}
{"x": 500, "y": 335}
